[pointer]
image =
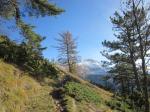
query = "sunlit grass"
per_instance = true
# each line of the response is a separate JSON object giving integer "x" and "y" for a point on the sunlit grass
{"x": 21, "y": 93}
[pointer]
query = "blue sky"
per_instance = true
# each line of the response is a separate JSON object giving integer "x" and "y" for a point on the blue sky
{"x": 88, "y": 20}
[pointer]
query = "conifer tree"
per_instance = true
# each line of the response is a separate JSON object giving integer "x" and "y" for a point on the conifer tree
{"x": 67, "y": 49}
{"x": 30, "y": 50}
{"x": 141, "y": 22}
{"x": 133, "y": 43}
{"x": 125, "y": 43}
{"x": 19, "y": 8}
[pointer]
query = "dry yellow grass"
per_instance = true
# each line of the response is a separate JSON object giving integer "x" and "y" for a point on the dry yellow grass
{"x": 21, "y": 93}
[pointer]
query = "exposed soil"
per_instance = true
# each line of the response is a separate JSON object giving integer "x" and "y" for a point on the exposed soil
{"x": 58, "y": 98}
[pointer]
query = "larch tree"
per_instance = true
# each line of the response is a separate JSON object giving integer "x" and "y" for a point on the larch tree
{"x": 67, "y": 49}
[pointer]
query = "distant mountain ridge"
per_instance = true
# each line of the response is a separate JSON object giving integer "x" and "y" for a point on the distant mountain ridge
{"x": 92, "y": 67}
{"x": 91, "y": 70}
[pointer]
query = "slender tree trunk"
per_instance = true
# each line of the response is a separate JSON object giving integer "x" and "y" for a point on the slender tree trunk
{"x": 17, "y": 11}
{"x": 143, "y": 61}
{"x": 133, "y": 63}
{"x": 135, "y": 74}
{"x": 123, "y": 88}
{"x": 128, "y": 86}
{"x": 145, "y": 79}
{"x": 68, "y": 59}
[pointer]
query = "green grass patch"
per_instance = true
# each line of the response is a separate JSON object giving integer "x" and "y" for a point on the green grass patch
{"x": 82, "y": 92}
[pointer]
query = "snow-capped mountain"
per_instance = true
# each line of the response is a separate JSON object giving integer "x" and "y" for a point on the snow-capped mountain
{"x": 91, "y": 67}
{"x": 91, "y": 70}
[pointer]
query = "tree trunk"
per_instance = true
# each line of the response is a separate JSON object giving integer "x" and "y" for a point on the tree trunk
{"x": 68, "y": 59}
{"x": 133, "y": 63}
{"x": 136, "y": 74}
{"x": 143, "y": 60}
{"x": 145, "y": 80}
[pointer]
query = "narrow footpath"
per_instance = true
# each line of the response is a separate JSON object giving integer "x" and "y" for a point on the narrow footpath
{"x": 58, "y": 99}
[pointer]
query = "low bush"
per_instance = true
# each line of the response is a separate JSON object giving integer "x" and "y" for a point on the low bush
{"x": 121, "y": 106}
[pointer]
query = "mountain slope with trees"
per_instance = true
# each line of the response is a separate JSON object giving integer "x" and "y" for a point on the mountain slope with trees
{"x": 31, "y": 83}
{"x": 21, "y": 92}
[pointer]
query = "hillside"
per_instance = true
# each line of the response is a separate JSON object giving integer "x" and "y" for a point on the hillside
{"x": 19, "y": 92}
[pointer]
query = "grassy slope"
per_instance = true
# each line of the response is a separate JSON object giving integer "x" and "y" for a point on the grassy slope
{"x": 107, "y": 101}
{"x": 21, "y": 93}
